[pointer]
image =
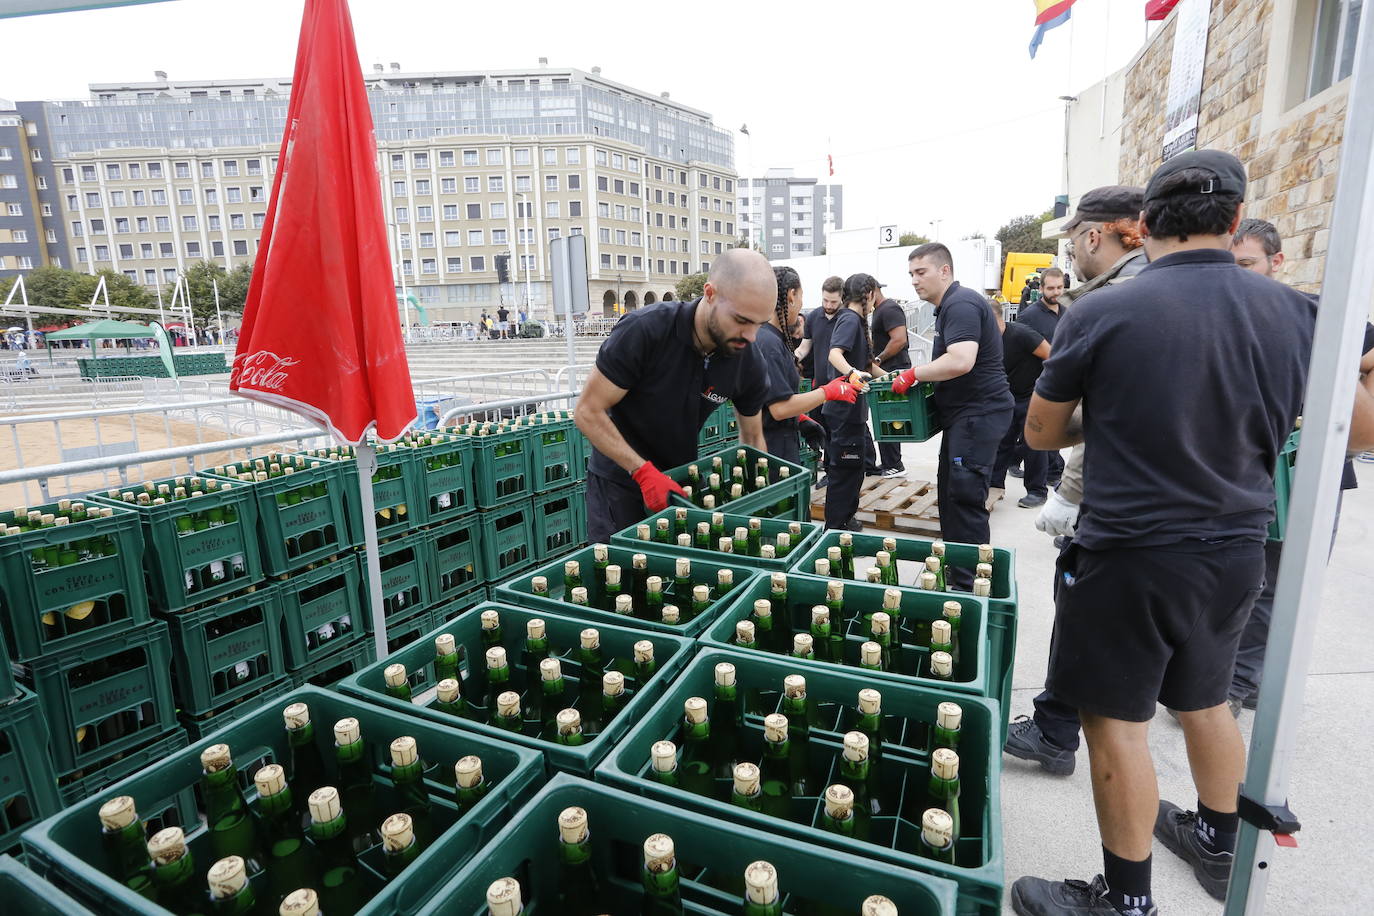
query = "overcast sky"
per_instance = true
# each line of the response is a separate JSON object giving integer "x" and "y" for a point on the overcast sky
{"x": 932, "y": 109}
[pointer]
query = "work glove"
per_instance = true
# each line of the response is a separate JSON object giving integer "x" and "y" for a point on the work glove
{"x": 860, "y": 380}
{"x": 812, "y": 432}
{"x": 1058, "y": 517}
{"x": 655, "y": 485}
{"x": 841, "y": 389}
{"x": 903, "y": 382}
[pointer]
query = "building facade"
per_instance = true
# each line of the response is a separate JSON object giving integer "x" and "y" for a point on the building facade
{"x": 479, "y": 172}
{"x": 788, "y": 217}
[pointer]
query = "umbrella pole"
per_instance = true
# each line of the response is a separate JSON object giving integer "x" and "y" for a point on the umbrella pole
{"x": 367, "y": 465}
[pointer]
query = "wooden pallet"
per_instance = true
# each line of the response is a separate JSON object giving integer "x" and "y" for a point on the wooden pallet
{"x": 891, "y": 504}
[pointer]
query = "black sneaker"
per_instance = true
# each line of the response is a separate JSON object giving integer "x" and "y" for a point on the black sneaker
{"x": 1038, "y": 897}
{"x": 1015, "y": 472}
{"x": 853, "y": 525}
{"x": 1177, "y": 830}
{"x": 1026, "y": 741}
{"x": 1031, "y": 500}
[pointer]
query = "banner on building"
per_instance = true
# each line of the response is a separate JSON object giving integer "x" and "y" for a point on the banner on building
{"x": 1185, "y": 76}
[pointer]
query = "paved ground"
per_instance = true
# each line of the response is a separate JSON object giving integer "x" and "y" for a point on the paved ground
{"x": 1048, "y": 821}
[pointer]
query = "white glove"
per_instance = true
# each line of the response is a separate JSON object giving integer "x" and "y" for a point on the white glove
{"x": 1058, "y": 517}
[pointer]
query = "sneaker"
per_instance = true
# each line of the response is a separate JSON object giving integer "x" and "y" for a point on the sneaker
{"x": 1031, "y": 500}
{"x": 1015, "y": 472}
{"x": 822, "y": 483}
{"x": 1177, "y": 830}
{"x": 1038, "y": 897}
{"x": 894, "y": 472}
{"x": 853, "y": 525}
{"x": 1026, "y": 741}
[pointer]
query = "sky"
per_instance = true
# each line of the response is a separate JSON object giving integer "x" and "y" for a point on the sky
{"x": 932, "y": 109}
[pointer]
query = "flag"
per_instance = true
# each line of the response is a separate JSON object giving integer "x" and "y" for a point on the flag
{"x": 164, "y": 346}
{"x": 831, "y": 160}
{"x": 1048, "y": 14}
{"x": 1159, "y": 9}
{"x": 320, "y": 332}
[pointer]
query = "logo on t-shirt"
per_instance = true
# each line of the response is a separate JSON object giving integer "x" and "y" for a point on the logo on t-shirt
{"x": 710, "y": 395}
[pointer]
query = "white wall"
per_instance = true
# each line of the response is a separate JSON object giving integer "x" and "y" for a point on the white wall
{"x": 850, "y": 251}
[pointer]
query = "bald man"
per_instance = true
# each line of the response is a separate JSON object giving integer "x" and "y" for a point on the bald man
{"x": 658, "y": 377}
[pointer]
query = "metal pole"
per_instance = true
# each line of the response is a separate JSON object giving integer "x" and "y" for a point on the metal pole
{"x": 367, "y": 466}
{"x": 219, "y": 319}
{"x": 401, "y": 272}
{"x": 1345, "y": 300}
{"x": 161, "y": 315}
{"x": 525, "y": 200}
{"x": 568, "y": 332}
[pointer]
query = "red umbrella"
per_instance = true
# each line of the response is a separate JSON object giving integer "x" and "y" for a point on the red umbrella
{"x": 320, "y": 332}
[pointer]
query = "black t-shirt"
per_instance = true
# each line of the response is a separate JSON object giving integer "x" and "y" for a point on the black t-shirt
{"x": 781, "y": 367}
{"x": 1191, "y": 378}
{"x": 963, "y": 315}
{"x": 847, "y": 332}
{"x": 1019, "y": 343}
{"x": 503, "y": 314}
{"x": 1040, "y": 318}
{"x": 672, "y": 388}
{"x": 887, "y": 317}
{"x": 816, "y": 365}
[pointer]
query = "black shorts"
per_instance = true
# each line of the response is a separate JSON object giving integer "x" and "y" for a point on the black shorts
{"x": 1134, "y": 626}
{"x": 612, "y": 506}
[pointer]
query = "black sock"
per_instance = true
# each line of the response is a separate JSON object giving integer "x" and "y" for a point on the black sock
{"x": 1217, "y": 831}
{"x": 1128, "y": 882}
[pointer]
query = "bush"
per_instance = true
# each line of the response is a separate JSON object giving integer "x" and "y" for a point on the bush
{"x": 532, "y": 329}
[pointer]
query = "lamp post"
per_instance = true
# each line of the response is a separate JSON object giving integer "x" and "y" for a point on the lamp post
{"x": 618, "y": 301}
{"x": 401, "y": 273}
{"x": 1068, "y": 100}
{"x": 526, "y": 265}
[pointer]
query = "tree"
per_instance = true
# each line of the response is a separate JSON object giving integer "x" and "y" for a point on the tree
{"x": 1023, "y": 234}
{"x": 56, "y": 287}
{"x": 913, "y": 239}
{"x": 201, "y": 279}
{"x": 974, "y": 235}
{"x": 690, "y": 286}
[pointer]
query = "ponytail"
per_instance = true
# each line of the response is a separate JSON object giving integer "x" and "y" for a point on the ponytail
{"x": 788, "y": 280}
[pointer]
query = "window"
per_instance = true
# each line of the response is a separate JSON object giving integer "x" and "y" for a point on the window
{"x": 230, "y": 166}
{"x": 472, "y": 184}
{"x": 453, "y": 238}
{"x": 165, "y": 249}
{"x": 398, "y": 189}
{"x": 162, "y": 223}
{"x": 188, "y": 223}
{"x": 254, "y": 166}
{"x": 636, "y": 239}
{"x": 601, "y": 157}
{"x": 402, "y": 214}
{"x": 522, "y": 156}
{"x": 7, "y": 154}
{"x": 81, "y": 256}
{"x": 67, "y": 175}
{"x": 572, "y": 155}
{"x": 672, "y": 199}
{"x": 496, "y": 157}
{"x": 1333, "y": 45}
{"x": 498, "y": 236}
{"x": 424, "y": 214}
{"x": 574, "y": 208}
{"x": 477, "y": 263}
{"x": 550, "y": 182}
{"x": 574, "y": 182}
{"x": 236, "y": 221}
{"x": 550, "y": 156}
{"x": 775, "y": 216}
{"x": 450, "y": 211}
{"x": 43, "y": 183}
{"x": 217, "y": 249}
{"x": 522, "y": 183}
{"x": 155, "y": 169}
{"x": 211, "y": 196}
{"x": 408, "y": 267}
{"x": 256, "y": 195}
{"x": 660, "y": 266}
{"x": 637, "y": 263}
{"x": 233, "y": 195}
{"x": 632, "y": 163}
{"x": 422, "y": 186}
{"x": 606, "y": 260}
{"x": 122, "y": 224}
{"x": 634, "y": 189}
{"x": 429, "y": 266}
{"x": 421, "y": 160}
{"x": 617, "y": 161}
{"x": 619, "y": 211}
{"x": 140, "y": 198}
{"x": 149, "y": 276}
{"x": 181, "y": 169}
{"x": 88, "y": 173}
{"x": 97, "y": 226}
{"x": 403, "y": 241}
{"x": 497, "y": 210}
{"x": 145, "y": 250}
{"x": 620, "y": 236}
{"x": 603, "y": 183}
{"x": 259, "y": 219}
{"x": 9, "y": 181}
{"x": 705, "y": 225}
{"x": 46, "y": 209}
{"x": 159, "y": 197}
{"x": 705, "y": 247}
{"x": 496, "y": 184}
{"x": 207, "y": 170}
{"x": 475, "y": 238}
{"x": 448, "y": 185}
{"x": 778, "y": 249}
{"x": 618, "y": 186}
{"x": 635, "y": 214}
{"x": 92, "y": 198}
{"x": 426, "y": 239}
{"x": 603, "y": 210}
{"x": 553, "y": 233}
{"x": 102, "y": 252}
{"x": 186, "y": 196}
{"x": 551, "y": 209}
{"x": 474, "y": 211}
{"x": 603, "y": 235}
{"x": 19, "y": 235}
{"x": 469, "y": 157}
{"x": 454, "y": 265}
{"x": 446, "y": 160}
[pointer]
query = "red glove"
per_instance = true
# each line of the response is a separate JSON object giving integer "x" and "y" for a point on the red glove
{"x": 655, "y": 485}
{"x": 839, "y": 389}
{"x": 903, "y": 382}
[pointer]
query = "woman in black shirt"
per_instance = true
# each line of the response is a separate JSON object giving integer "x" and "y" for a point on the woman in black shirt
{"x": 851, "y": 355}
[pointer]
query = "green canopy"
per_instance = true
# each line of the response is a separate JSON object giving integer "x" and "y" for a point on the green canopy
{"x": 105, "y": 329}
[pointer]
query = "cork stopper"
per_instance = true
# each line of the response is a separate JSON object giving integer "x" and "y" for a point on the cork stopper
{"x": 395, "y": 675}
{"x": 983, "y": 571}
{"x": 982, "y": 587}
{"x": 572, "y": 569}
{"x": 297, "y": 715}
{"x": 445, "y": 644}
{"x": 928, "y": 580}
{"x": 601, "y": 553}
{"x": 736, "y": 490}
{"x": 550, "y": 669}
{"x": 763, "y": 609}
{"x": 746, "y": 779}
{"x": 490, "y": 620}
{"x": 664, "y": 756}
{"x": 653, "y": 584}
{"x": 644, "y": 532}
{"x": 703, "y": 528}
{"x": 644, "y": 652}
{"x": 324, "y": 804}
{"x": 834, "y": 591}
{"x": 834, "y": 556}
{"x": 658, "y": 853}
{"x": 612, "y": 684}
{"x": 855, "y": 747}
{"x": 216, "y": 757}
{"x": 624, "y": 604}
{"x": 683, "y": 568}
{"x": 579, "y": 594}
{"x": 303, "y": 902}
{"x": 448, "y": 690}
{"x": 984, "y": 553}
{"x": 794, "y": 687}
{"x": 680, "y": 513}
{"x": 694, "y": 710}
{"x": 756, "y": 524}
{"x": 941, "y": 664}
{"x": 870, "y": 653}
{"x": 397, "y": 833}
{"x": 227, "y": 877}
{"x": 535, "y": 628}
{"x": 937, "y": 828}
{"x": 741, "y": 534}
{"x": 820, "y": 615}
{"x": 878, "y": 906}
{"x": 880, "y": 624}
{"x": 766, "y": 552}
{"x": 933, "y": 564}
{"x": 590, "y": 638}
{"x": 944, "y": 763}
{"x": 118, "y": 813}
{"x": 540, "y": 585}
{"x": 803, "y": 645}
{"x": 496, "y": 658}
{"x": 949, "y": 716}
{"x": 761, "y": 883}
{"x": 508, "y": 704}
{"x": 784, "y": 541}
{"x": 270, "y": 779}
{"x": 779, "y": 582}
{"x": 883, "y": 557}
{"x": 725, "y": 545}
{"x": 671, "y": 614}
{"x": 890, "y": 544}
{"x": 572, "y": 824}
{"x": 467, "y": 772}
{"x": 725, "y": 674}
{"x": 404, "y": 751}
{"x": 700, "y": 594}
{"x": 503, "y": 897}
{"x": 940, "y": 632}
{"x": 870, "y": 702}
{"x": 744, "y": 632}
{"x": 725, "y": 578}
{"x": 874, "y": 575}
{"x": 684, "y": 540}
{"x": 846, "y": 539}
{"x": 166, "y": 846}
{"x": 612, "y": 575}
{"x": 952, "y": 610}
{"x": 775, "y": 727}
{"x": 839, "y": 802}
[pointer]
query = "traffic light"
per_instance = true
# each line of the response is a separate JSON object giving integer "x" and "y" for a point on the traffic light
{"x": 503, "y": 268}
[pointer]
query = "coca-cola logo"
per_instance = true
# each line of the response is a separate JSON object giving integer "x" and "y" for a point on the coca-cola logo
{"x": 263, "y": 370}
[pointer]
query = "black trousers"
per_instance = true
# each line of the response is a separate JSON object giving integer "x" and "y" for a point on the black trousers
{"x": 871, "y": 465}
{"x": 968, "y": 449}
{"x": 612, "y": 506}
{"x": 890, "y": 454}
{"x": 1013, "y": 451}
{"x": 1057, "y": 720}
{"x": 1056, "y": 468}
{"x": 844, "y": 466}
{"x": 783, "y": 441}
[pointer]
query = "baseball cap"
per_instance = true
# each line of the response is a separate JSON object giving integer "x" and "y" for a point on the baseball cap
{"x": 1228, "y": 174}
{"x": 1105, "y": 204}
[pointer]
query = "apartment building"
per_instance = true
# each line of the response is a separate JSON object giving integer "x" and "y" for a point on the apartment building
{"x": 788, "y": 217}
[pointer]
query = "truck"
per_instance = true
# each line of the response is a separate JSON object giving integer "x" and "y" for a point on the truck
{"x": 1019, "y": 266}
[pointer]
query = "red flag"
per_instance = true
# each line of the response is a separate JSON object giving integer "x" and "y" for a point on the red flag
{"x": 321, "y": 335}
{"x": 831, "y": 160}
{"x": 1159, "y": 9}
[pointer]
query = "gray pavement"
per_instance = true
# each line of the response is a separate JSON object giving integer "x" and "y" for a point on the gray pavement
{"x": 1048, "y": 822}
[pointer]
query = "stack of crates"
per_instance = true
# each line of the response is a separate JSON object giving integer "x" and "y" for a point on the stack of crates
{"x": 787, "y": 494}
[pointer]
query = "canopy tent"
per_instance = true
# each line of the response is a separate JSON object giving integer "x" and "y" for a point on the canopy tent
{"x": 104, "y": 329}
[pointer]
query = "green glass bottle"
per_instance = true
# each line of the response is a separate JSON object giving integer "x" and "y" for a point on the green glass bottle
{"x": 550, "y": 697}
{"x": 613, "y": 700}
{"x": 680, "y": 521}
{"x": 746, "y": 790}
{"x": 725, "y": 581}
{"x": 857, "y": 772}
{"x": 653, "y": 598}
{"x": 230, "y": 892}
{"x": 624, "y": 605}
{"x": 663, "y": 764}
{"x": 878, "y": 905}
{"x": 601, "y": 559}
{"x": 755, "y": 536}
{"x": 940, "y": 666}
{"x": 672, "y": 615}
{"x": 949, "y": 718}
{"x": 506, "y": 712}
{"x": 539, "y": 586}
{"x": 300, "y": 902}
{"x": 880, "y": 631}
{"x": 578, "y": 888}
{"x": 739, "y": 544}
{"x": 701, "y": 600}
{"x": 783, "y": 543}
{"x": 306, "y": 759}
{"x": 697, "y": 765}
{"x": 644, "y": 532}
{"x": 846, "y": 555}
{"x": 396, "y": 679}
{"x": 174, "y": 873}
{"x": 871, "y": 656}
{"x": 126, "y": 852}
{"x": 986, "y": 555}
{"x": 226, "y": 813}
{"x": 684, "y": 540}
{"x": 682, "y": 580}
{"x": 662, "y": 893}
{"x": 953, "y": 613}
{"x": 447, "y": 658}
{"x": 744, "y": 635}
{"x": 355, "y": 780}
{"x": 764, "y": 633}
{"x": 470, "y": 785}
{"x": 401, "y": 844}
{"x": 448, "y": 698}
{"x": 777, "y": 597}
{"x": 572, "y": 577}
{"x": 663, "y": 531}
{"x": 589, "y": 656}
{"x": 717, "y": 525}
{"x": 797, "y": 707}
{"x": 408, "y": 776}
{"x": 868, "y": 718}
{"x": 926, "y": 581}
{"x": 835, "y": 557}
{"x": 823, "y": 640}
{"x": 768, "y": 552}
{"x": 803, "y": 646}
{"x": 639, "y": 578}
{"x": 727, "y": 721}
{"x": 781, "y": 767}
{"x": 937, "y": 836}
{"x": 941, "y": 637}
{"x": 645, "y": 665}
{"x": 288, "y": 861}
{"x": 943, "y": 788}
{"x": 611, "y": 587}
{"x": 982, "y": 587}
{"x": 578, "y": 597}
{"x": 822, "y": 567}
{"x": 887, "y": 570}
{"x": 937, "y": 569}
{"x": 491, "y": 628}
{"x": 761, "y": 897}
{"x": 839, "y": 816}
{"x": 703, "y": 540}
{"x": 568, "y": 728}
{"x": 340, "y": 885}
{"x": 834, "y": 600}
{"x": 498, "y": 677}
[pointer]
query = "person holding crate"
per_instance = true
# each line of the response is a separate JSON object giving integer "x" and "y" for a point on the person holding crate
{"x": 850, "y": 357}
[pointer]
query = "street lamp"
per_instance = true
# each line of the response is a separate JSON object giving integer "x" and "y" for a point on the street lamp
{"x": 525, "y": 207}
{"x": 619, "y": 278}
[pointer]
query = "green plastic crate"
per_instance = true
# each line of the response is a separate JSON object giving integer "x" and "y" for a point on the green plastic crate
{"x": 972, "y": 672}
{"x": 455, "y": 558}
{"x": 445, "y": 467}
{"x": 322, "y": 610}
{"x": 710, "y": 432}
{"x": 903, "y": 765}
{"x": 300, "y": 516}
{"x": 25, "y": 892}
{"x": 9, "y": 690}
{"x": 671, "y": 653}
{"x": 519, "y": 590}
{"x": 500, "y": 479}
{"x": 198, "y": 727}
{"x": 28, "y": 786}
{"x": 406, "y": 578}
{"x": 182, "y": 564}
{"x": 66, "y": 848}
{"x": 401, "y": 633}
{"x": 711, "y": 854}
{"x": 404, "y": 491}
{"x": 909, "y": 417}
{"x": 117, "y": 694}
{"x": 83, "y": 784}
{"x": 507, "y": 539}
{"x": 560, "y": 521}
{"x": 226, "y": 650}
{"x": 785, "y": 499}
{"x": 334, "y": 667}
{"x": 113, "y": 581}
{"x": 447, "y": 610}
{"x": 770, "y": 527}
{"x": 729, "y": 423}
{"x": 1283, "y": 485}
{"x": 555, "y": 455}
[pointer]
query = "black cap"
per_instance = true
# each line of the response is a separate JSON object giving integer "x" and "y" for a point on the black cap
{"x": 1228, "y": 174}
{"x": 1105, "y": 204}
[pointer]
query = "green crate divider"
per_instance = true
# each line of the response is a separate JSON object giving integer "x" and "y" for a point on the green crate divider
{"x": 9, "y": 689}
{"x": 770, "y": 527}
{"x": 226, "y": 650}
{"x": 124, "y": 675}
{"x": 903, "y": 765}
{"x": 295, "y": 528}
{"x": 402, "y": 633}
{"x": 502, "y": 479}
{"x": 507, "y": 540}
{"x": 519, "y": 589}
{"x": 69, "y": 853}
{"x": 560, "y": 521}
{"x": 84, "y": 783}
{"x": 328, "y": 670}
{"x": 729, "y": 423}
{"x": 445, "y": 611}
{"x": 973, "y": 673}
{"x": 115, "y": 583}
{"x": 1283, "y": 485}
{"x": 455, "y": 558}
{"x": 909, "y": 417}
{"x": 24, "y": 891}
{"x": 710, "y": 432}
{"x": 910, "y": 555}
{"x": 671, "y": 653}
{"x": 405, "y": 582}
{"x": 170, "y": 556}
{"x": 785, "y": 499}
{"x": 387, "y": 495}
{"x": 445, "y": 466}
{"x": 711, "y": 856}
{"x": 326, "y": 598}
{"x": 28, "y": 785}
{"x": 198, "y": 727}
{"x": 555, "y": 455}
